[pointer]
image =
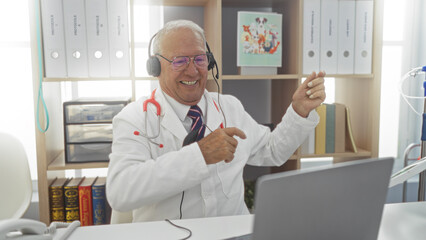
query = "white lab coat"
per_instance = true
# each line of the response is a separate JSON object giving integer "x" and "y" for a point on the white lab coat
{"x": 149, "y": 180}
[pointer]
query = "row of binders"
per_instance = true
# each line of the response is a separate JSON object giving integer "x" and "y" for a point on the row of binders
{"x": 333, "y": 134}
{"x": 85, "y": 38}
{"x": 337, "y": 36}
{"x": 81, "y": 199}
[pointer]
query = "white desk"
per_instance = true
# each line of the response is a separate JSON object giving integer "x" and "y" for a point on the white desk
{"x": 400, "y": 221}
{"x": 403, "y": 221}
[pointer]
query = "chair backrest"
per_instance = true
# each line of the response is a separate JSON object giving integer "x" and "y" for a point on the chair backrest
{"x": 15, "y": 178}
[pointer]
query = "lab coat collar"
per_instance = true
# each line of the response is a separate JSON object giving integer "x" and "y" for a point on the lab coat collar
{"x": 169, "y": 120}
{"x": 181, "y": 110}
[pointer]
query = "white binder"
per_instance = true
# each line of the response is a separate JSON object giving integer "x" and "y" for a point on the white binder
{"x": 363, "y": 36}
{"x": 311, "y": 36}
{"x": 118, "y": 31}
{"x": 329, "y": 27}
{"x": 53, "y": 39}
{"x": 75, "y": 38}
{"x": 97, "y": 38}
{"x": 346, "y": 37}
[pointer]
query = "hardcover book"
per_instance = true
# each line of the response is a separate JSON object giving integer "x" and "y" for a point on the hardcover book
{"x": 350, "y": 141}
{"x": 340, "y": 131}
{"x": 259, "y": 39}
{"x": 320, "y": 129}
{"x": 56, "y": 197}
{"x": 330, "y": 128}
{"x": 99, "y": 201}
{"x": 71, "y": 200}
{"x": 85, "y": 201}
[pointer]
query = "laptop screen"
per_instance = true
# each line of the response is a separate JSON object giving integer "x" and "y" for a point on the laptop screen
{"x": 339, "y": 201}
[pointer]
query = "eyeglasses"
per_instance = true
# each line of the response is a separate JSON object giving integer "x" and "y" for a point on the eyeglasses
{"x": 181, "y": 62}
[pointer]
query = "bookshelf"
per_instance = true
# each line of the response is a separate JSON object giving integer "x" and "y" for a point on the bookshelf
{"x": 216, "y": 14}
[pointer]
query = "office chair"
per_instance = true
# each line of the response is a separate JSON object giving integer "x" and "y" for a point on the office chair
{"x": 15, "y": 178}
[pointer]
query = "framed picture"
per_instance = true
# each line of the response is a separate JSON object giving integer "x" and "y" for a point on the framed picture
{"x": 259, "y": 39}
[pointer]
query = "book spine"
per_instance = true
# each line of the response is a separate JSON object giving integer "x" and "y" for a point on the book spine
{"x": 57, "y": 210}
{"x": 320, "y": 130}
{"x": 350, "y": 141}
{"x": 71, "y": 204}
{"x": 330, "y": 128}
{"x": 99, "y": 205}
{"x": 85, "y": 200}
{"x": 340, "y": 130}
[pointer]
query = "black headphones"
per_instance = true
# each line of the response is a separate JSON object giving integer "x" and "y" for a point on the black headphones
{"x": 153, "y": 65}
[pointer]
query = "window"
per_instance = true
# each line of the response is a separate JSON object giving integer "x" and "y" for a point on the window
{"x": 16, "y": 92}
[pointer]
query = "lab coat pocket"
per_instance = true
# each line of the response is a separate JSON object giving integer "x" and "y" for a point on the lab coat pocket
{"x": 231, "y": 177}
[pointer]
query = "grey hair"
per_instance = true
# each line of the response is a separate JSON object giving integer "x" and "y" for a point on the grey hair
{"x": 175, "y": 26}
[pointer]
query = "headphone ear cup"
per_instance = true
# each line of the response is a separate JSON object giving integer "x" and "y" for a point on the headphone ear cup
{"x": 212, "y": 61}
{"x": 153, "y": 66}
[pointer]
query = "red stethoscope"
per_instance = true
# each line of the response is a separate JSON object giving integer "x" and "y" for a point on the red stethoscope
{"x": 152, "y": 100}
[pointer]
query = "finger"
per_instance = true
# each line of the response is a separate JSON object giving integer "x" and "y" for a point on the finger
{"x": 309, "y": 79}
{"x": 319, "y": 94}
{"x": 233, "y": 131}
{"x": 232, "y": 141}
{"x": 229, "y": 158}
{"x": 315, "y": 89}
{"x": 316, "y": 81}
{"x": 321, "y": 74}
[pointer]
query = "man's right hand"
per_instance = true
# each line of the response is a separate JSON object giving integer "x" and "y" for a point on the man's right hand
{"x": 220, "y": 145}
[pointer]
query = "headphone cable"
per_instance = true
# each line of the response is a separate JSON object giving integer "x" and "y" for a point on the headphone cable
{"x": 181, "y": 202}
{"x": 184, "y": 228}
{"x": 218, "y": 92}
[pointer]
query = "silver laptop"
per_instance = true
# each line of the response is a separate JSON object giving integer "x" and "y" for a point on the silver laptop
{"x": 340, "y": 201}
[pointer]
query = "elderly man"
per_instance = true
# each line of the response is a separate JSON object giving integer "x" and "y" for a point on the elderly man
{"x": 156, "y": 176}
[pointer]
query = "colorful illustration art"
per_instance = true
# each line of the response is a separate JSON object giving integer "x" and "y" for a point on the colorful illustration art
{"x": 259, "y": 39}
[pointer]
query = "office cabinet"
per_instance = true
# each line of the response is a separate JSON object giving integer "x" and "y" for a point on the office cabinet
{"x": 216, "y": 14}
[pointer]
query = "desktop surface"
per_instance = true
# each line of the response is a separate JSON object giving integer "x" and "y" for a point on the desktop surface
{"x": 399, "y": 221}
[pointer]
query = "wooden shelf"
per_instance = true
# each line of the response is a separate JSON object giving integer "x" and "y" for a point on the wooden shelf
{"x": 361, "y": 153}
{"x": 255, "y": 77}
{"x": 360, "y": 92}
{"x": 59, "y": 164}
{"x": 346, "y": 76}
{"x": 82, "y": 79}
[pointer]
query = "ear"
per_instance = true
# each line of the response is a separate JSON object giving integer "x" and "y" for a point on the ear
{"x": 265, "y": 20}
{"x": 257, "y": 20}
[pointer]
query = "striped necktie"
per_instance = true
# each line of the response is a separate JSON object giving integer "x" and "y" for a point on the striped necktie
{"x": 197, "y": 123}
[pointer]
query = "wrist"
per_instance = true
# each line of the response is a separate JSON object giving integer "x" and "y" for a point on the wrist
{"x": 300, "y": 110}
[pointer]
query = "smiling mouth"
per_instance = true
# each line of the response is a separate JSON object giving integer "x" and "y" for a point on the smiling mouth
{"x": 189, "y": 83}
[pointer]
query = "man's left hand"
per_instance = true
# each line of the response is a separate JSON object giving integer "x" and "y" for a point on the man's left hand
{"x": 310, "y": 94}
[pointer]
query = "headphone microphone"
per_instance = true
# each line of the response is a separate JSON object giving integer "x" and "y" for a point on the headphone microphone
{"x": 153, "y": 65}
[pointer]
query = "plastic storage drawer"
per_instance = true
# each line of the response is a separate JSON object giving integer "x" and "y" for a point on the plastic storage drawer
{"x": 85, "y": 111}
{"x": 87, "y": 133}
{"x": 88, "y": 152}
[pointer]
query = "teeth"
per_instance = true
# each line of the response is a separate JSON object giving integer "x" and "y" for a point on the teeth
{"x": 189, "y": 83}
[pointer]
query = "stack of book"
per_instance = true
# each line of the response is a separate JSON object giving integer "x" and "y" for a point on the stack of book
{"x": 333, "y": 133}
{"x": 80, "y": 199}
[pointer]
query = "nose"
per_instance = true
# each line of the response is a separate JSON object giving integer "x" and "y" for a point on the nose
{"x": 191, "y": 69}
